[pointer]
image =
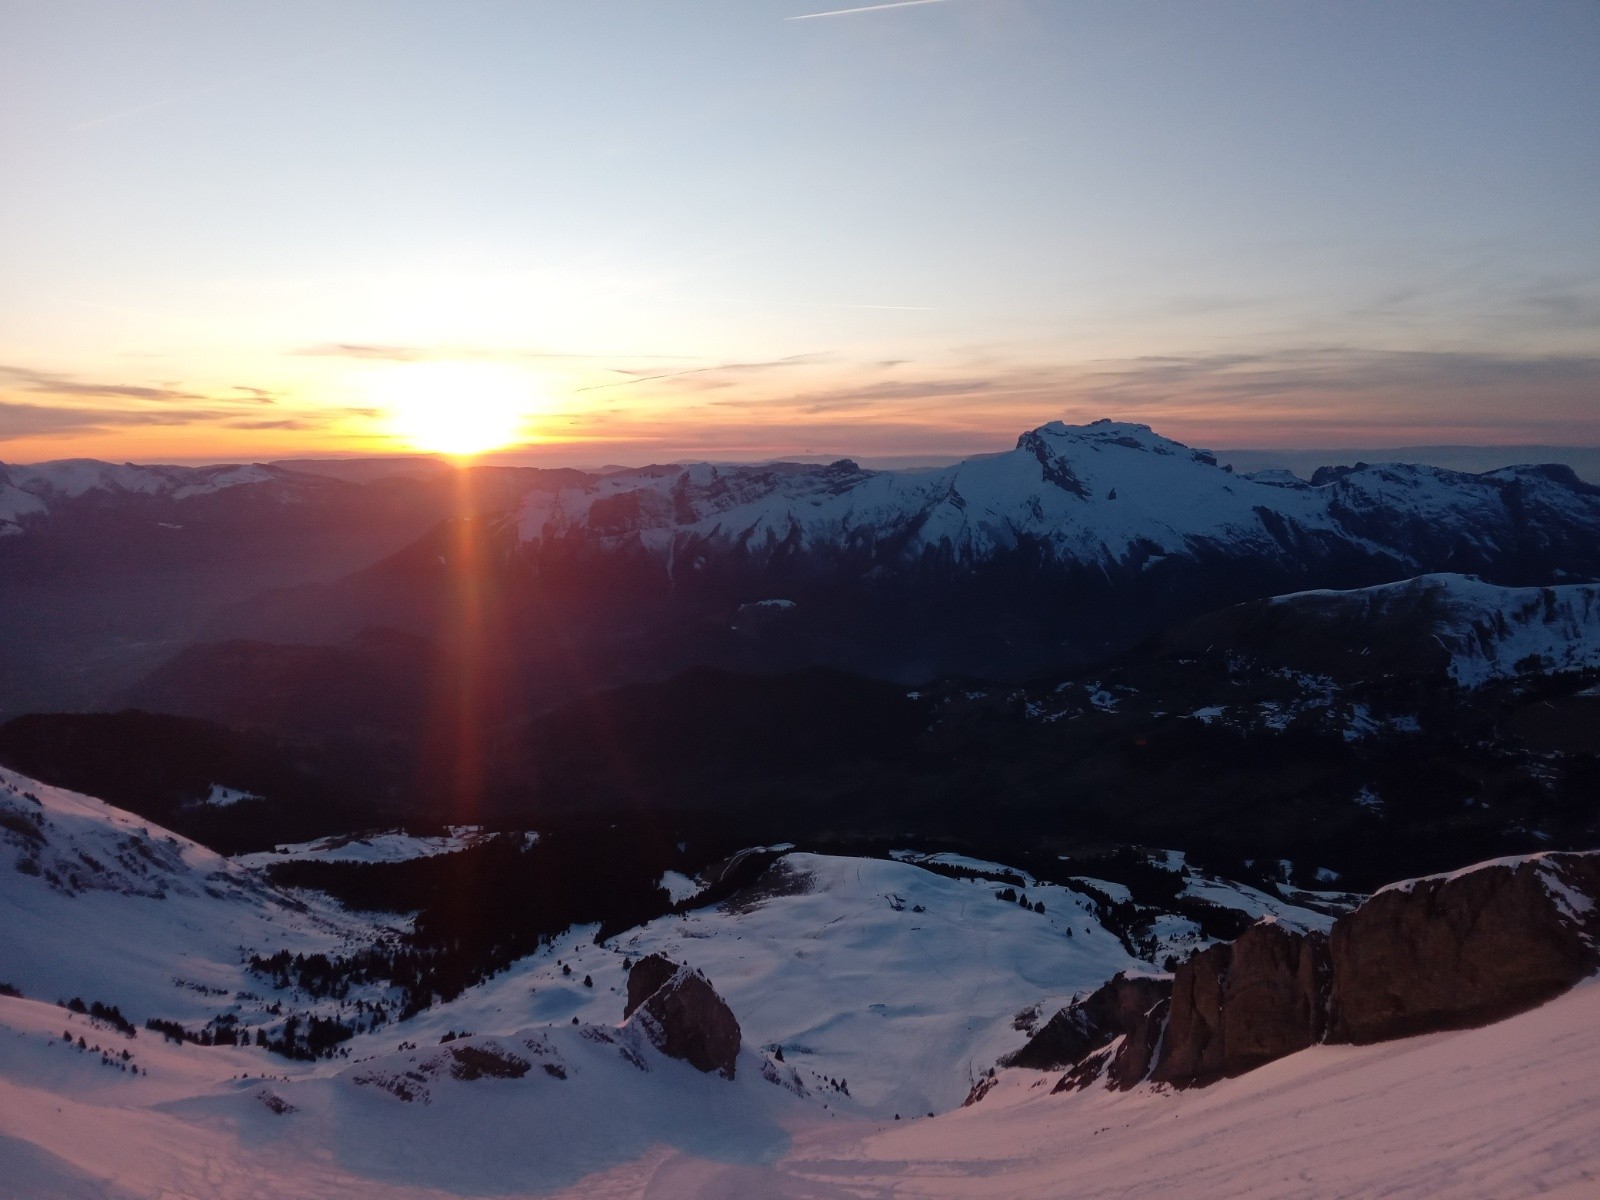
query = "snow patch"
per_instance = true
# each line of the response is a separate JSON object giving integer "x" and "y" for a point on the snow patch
{"x": 225, "y": 797}
{"x": 394, "y": 845}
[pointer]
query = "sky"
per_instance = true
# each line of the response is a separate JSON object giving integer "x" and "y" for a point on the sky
{"x": 633, "y": 230}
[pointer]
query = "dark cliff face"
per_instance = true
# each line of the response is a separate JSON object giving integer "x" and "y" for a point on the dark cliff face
{"x": 1241, "y": 1004}
{"x": 1447, "y": 952}
{"x": 1466, "y": 950}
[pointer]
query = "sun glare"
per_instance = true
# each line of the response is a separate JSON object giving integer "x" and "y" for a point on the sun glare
{"x": 453, "y": 407}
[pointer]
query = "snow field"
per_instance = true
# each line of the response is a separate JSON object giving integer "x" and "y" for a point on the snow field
{"x": 904, "y": 982}
{"x": 121, "y": 911}
{"x": 393, "y": 845}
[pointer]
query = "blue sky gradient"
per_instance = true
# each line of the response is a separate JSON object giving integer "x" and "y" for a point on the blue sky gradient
{"x": 710, "y": 228}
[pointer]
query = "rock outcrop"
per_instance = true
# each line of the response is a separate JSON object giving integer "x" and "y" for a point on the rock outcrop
{"x": 1130, "y": 1007}
{"x": 644, "y": 977}
{"x": 1459, "y": 950}
{"x": 683, "y": 1016}
{"x": 1444, "y": 952}
{"x": 1240, "y": 1004}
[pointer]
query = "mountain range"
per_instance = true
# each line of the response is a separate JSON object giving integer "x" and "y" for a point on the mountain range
{"x": 1073, "y": 546}
{"x": 1098, "y": 635}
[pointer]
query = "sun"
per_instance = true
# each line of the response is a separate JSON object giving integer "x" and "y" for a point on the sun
{"x": 455, "y": 408}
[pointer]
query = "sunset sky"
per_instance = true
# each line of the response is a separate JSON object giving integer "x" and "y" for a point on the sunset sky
{"x": 630, "y": 231}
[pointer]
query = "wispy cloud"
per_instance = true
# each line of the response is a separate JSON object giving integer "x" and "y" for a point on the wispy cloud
{"x": 1344, "y": 369}
{"x": 387, "y": 352}
{"x": 56, "y": 384}
{"x": 73, "y": 406}
{"x": 373, "y": 351}
{"x": 796, "y": 360}
{"x": 36, "y": 420}
{"x": 865, "y": 8}
{"x": 296, "y": 423}
{"x": 1298, "y": 395}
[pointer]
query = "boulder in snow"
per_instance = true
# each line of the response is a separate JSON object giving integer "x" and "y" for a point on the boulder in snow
{"x": 684, "y": 1017}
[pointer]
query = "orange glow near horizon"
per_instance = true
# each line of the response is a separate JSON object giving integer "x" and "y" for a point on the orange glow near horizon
{"x": 574, "y": 411}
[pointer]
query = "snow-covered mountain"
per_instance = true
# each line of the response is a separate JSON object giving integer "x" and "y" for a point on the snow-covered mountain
{"x": 108, "y": 569}
{"x": 1108, "y": 495}
{"x": 1063, "y": 551}
{"x": 1484, "y": 632}
{"x": 1054, "y": 555}
{"x": 1102, "y": 492}
{"x": 72, "y": 477}
{"x": 32, "y": 491}
{"x": 37, "y": 490}
{"x": 1440, "y": 625}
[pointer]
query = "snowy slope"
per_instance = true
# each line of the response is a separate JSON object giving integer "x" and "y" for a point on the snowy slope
{"x": 903, "y": 982}
{"x": 1508, "y": 1110}
{"x": 224, "y": 1122}
{"x": 1172, "y": 933}
{"x": 833, "y": 962}
{"x": 97, "y": 903}
{"x": 1488, "y": 632}
{"x": 1100, "y": 494}
{"x": 14, "y": 505}
{"x": 394, "y": 845}
{"x": 839, "y": 968}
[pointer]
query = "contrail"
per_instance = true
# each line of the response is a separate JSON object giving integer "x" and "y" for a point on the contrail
{"x": 844, "y": 12}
